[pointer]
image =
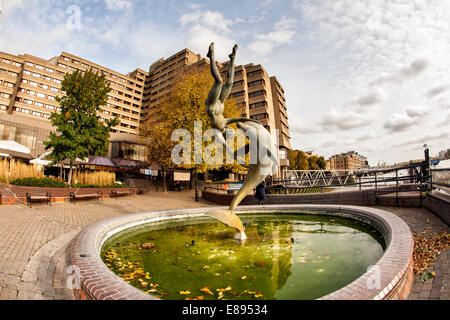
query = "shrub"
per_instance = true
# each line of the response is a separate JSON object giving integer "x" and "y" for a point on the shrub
{"x": 43, "y": 182}
{"x": 97, "y": 178}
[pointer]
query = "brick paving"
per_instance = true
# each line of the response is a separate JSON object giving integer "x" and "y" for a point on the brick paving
{"x": 34, "y": 242}
{"x": 437, "y": 288}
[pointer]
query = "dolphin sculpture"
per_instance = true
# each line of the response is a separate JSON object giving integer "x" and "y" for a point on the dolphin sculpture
{"x": 265, "y": 161}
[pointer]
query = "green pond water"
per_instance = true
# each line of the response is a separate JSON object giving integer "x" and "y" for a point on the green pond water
{"x": 288, "y": 257}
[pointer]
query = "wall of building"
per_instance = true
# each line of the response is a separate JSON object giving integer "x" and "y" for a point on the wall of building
{"x": 29, "y": 86}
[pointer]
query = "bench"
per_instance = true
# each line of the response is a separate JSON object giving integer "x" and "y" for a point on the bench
{"x": 115, "y": 193}
{"x": 40, "y": 198}
{"x": 74, "y": 197}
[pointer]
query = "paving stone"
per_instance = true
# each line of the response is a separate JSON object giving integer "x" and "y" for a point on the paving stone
{"x": 25, "y": 271}
{"x": 34, "y": 241}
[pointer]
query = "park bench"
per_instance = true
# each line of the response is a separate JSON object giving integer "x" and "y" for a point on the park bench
{"x": 39, "y": 198}
{"x": 74, "y": 197}
{"x": 115, "y": 193}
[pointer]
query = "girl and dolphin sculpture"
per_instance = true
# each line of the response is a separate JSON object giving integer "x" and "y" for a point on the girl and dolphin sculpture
{"x": 266, "y": 160}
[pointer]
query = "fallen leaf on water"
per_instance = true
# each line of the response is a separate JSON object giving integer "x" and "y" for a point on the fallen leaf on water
{"x": 185, "y": 292}
{"x": 206, "y": 290}
{"x": 196, "y": 298}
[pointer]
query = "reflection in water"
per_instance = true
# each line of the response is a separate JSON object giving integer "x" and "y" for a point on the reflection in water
{"x": 326, "y": 254}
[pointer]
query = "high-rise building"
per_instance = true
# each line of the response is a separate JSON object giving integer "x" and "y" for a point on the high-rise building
{"x": 259, "y": 96}
{"x": 29, "y": 86}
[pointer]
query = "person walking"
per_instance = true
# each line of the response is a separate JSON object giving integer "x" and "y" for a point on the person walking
{"x": 260, "y": 192}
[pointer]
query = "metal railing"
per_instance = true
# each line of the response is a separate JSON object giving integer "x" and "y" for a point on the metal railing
{"x": 416, "y": 177}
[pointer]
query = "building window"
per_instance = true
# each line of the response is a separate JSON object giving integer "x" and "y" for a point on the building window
{"x": 256, "y": 94}
{"x": 237, "y": 94}
{"x": 255, "y": 83}
{"x": 258, "y": 105}
{"x": 254, "y": 73}
{"x": 260, "y": 116}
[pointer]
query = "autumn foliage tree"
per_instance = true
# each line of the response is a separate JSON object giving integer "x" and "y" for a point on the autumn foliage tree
{"x": 298, "y": 160}
{"x": 180, "y": 109}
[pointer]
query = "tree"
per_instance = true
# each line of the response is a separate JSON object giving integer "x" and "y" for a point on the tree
{"x": 79, "y": 130}
{"x": 322, "y": 163}
{"x": 298, "y": 160}
{"x": 292, "y": 157}
{"x": 181, "y": 107}
{"x": 302, "y": 161}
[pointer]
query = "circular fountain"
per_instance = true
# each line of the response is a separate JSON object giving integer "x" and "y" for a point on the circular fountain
{"x": 292, "y": 252}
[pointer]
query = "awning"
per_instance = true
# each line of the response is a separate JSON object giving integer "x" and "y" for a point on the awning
{"x": 15, "y": 150}
{"x": 41, "y": 162}
{"x": 122, "y": 163}
{"x": 100, "y": 161}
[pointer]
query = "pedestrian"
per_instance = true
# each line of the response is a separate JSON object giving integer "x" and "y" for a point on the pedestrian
{"x": 260, "y": 192}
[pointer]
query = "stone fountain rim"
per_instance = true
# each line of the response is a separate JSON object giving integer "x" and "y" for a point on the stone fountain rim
{"x": 97, "y": 282}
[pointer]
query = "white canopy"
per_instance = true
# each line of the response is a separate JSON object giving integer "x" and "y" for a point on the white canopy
{"x": 40, "y": 162}
{"x": 13, "y": 146}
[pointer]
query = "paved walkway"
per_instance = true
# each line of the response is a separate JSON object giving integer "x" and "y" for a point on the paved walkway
{"x": 34, "y": 242}
{"x": 420, "y": 220}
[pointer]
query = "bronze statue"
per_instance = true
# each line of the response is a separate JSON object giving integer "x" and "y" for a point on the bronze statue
{"x": 264, "y": 166}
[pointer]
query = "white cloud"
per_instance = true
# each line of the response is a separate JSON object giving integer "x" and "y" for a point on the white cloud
{"x": 117, "y": 5}
{"x": 405, "y": 73}
{"x": 433, "y": 92}
{"x": 204, "y": 27}
{"x": 283, "y": 34}
{"x": 382, "y": 59}
{"x": 417, "y": 111}
{"x": 346, "y": 120}
{"x": 428, "y": 138}
{"x": 400, "y": 122}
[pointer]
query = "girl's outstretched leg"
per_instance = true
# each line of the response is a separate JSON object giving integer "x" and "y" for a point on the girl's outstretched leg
{"x": 217, "y": 86}
{"x": 230, "y": 77}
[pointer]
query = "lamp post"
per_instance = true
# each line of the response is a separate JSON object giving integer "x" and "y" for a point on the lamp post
{"x": 196, "y": 184}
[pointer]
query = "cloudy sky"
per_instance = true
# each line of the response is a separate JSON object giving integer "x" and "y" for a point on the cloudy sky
{"x": 371, "y": 76}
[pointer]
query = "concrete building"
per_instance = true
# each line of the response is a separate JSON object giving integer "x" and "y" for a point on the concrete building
{"x": 29, "y": 86}
{"x": 347, "y": 161}
{"x": 259, "y": 96}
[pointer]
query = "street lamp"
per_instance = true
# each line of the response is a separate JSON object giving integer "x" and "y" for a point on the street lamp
{"x": 196, "y": 174}
{"x": 196, "y": 184}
